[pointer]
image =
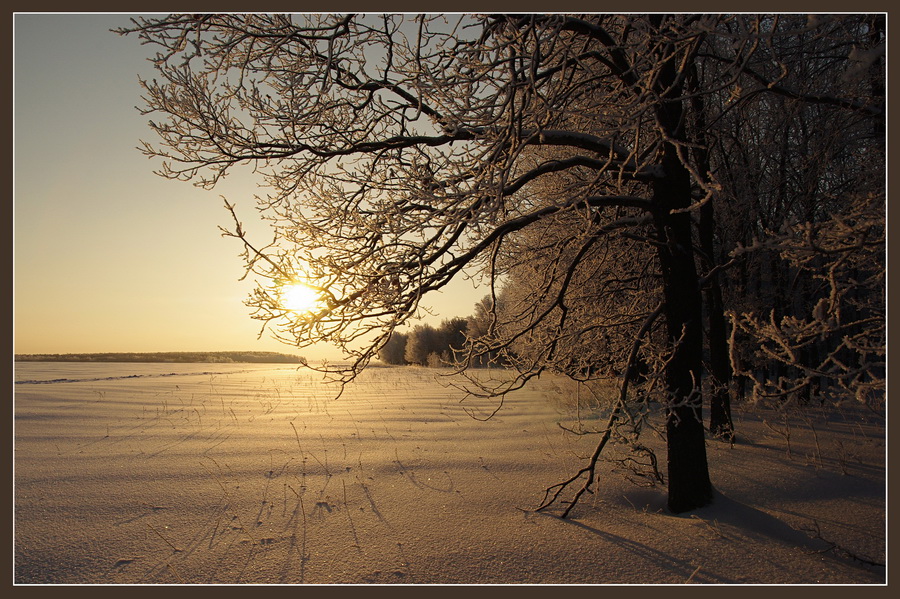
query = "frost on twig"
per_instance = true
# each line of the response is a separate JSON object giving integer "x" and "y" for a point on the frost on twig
{"x": 835, "y": 343}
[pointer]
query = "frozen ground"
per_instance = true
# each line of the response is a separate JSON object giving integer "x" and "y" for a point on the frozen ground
{"x": 253, "y": 474}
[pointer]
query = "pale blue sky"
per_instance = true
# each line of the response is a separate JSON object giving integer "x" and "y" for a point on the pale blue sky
{"x": 107, "y": 255}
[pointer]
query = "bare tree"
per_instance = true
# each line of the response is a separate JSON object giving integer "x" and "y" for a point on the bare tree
{"x": 402, "y": 152}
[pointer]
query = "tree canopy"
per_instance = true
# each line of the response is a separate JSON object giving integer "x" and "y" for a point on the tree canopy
{"x": 623, "y": 184}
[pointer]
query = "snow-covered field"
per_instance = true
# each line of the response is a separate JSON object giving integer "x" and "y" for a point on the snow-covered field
{"x": 212, "y": 473}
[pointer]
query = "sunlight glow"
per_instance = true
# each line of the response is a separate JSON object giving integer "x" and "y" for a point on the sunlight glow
{"x": 299, "y": 298}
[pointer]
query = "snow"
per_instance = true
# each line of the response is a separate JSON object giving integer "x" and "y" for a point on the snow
{"x": 256, "y": 475}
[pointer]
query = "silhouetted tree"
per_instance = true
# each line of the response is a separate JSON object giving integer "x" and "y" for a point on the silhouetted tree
{"x": 394, "y": 349}
{"x": 452, "y": 341}
{"x": 402, "y": 151}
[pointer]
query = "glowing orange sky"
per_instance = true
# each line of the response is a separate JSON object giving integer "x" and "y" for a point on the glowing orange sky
{"x": 108, "y": 256}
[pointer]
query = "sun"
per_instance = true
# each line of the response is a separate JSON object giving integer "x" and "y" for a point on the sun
{"x": 299, "y": 298}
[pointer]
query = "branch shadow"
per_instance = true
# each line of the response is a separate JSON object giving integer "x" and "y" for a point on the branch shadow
{"x": 757, "y": 524}
{"x": 743, "y": 519}
{"x": 664, "y": 560}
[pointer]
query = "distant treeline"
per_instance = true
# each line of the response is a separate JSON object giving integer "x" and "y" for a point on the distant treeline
{"x": 426, "y": 345}
{"x": 443, "y": 345}
{"x": 218, "y": 357}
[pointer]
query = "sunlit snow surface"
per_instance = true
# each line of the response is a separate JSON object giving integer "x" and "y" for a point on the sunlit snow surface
{"x": 253, "y": 473}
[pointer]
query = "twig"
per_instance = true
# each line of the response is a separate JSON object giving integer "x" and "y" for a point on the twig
{"x": 175, "y": 572}
{"x": 691, "y": 577}
{"x": 174, "y": 548}
{"x": 591, "y": 467}
{"x": 838, "y": 549}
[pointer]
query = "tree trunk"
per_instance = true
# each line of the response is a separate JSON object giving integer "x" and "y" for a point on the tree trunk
{"x": 720, "y": 423}
{"x": 689, "y": 484}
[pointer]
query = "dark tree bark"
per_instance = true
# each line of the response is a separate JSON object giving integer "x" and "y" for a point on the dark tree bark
{"x": 689, "y": 483}
{"x": 720, "y": 422}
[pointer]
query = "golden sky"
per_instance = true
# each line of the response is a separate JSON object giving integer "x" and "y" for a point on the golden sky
{"x": 108, "y": 256}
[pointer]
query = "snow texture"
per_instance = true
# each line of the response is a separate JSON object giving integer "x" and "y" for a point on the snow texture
{"x": 256, "y": 475}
